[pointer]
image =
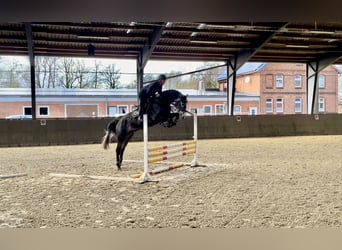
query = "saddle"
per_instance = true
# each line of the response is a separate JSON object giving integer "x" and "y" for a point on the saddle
{"x": 157, "y": 113}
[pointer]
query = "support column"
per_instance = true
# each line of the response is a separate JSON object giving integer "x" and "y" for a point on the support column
{"x": 231, "y": 84}
{"x": 140, "y": 76}
{"x": 30, "y": 49}
{"x": 312, "y": 87}
{"x": 312, "y": 72}
{"x": 146, "y": 53}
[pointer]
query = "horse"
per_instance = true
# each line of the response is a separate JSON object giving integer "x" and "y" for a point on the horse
{"x": 171, "y": 105}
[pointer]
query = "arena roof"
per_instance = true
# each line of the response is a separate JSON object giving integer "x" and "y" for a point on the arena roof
{"x": 214, "y": 41}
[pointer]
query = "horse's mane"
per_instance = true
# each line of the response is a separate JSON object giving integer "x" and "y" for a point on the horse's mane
{"x": 170, "y": 94}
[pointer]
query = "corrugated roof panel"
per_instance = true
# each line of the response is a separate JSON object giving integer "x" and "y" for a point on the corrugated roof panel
{"x": 247, "y": 68}
{"x": 287, "y": 42}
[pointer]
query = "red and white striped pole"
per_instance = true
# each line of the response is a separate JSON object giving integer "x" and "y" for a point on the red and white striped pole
{"x": 182, "y": 150}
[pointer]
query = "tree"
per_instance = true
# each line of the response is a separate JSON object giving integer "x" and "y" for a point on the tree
{"x": 13, "y": 76}
{"x": 69, "y": 76}
{"x": 148, "y": 78}
{"x": 132, "y": 85}
{"x": 46, "y": 71}
{"x": 80, "y": 77}
{"x": 208, "y": 77}
{"x": 111, "y": 76}
{"x": 95, "y": 77}
{"x": 173, "y": 83}
{"x": 52, "y": 68}
{"x": 41, "y": 71}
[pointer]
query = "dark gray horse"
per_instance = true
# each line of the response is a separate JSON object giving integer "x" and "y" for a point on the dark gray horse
{"x": 170, "y": 106}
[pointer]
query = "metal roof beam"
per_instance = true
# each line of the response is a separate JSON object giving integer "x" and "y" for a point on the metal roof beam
{"x": 327, "y": 59}
{"x": 244, "y": 56}
{"x": 150, "y": 45}
{"x": 234, "y": 63}
{"x": 146, "y": 52}
{"x": 312, "y": 71}
{"x": 29, "y": 39}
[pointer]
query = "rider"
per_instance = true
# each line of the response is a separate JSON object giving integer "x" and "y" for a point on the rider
{"x": 149, "y": 94}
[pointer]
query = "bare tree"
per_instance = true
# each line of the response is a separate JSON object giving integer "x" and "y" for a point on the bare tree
{"x": 80, "y": 70}
{"x": 69, "y": 76}
{"x": 208, "y": 77}
{"x": 95, "y": 77}
{"x": 52, "y": 68}
{"x": 13, "y": 76}
{"x": 111, "y": 76}
{"x": 42, "y": 71}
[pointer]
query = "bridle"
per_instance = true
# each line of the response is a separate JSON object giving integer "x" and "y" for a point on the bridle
{"x": 179, "y": 105}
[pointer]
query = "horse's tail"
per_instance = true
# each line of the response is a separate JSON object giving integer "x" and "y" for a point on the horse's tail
{"x": 111, "y": 129}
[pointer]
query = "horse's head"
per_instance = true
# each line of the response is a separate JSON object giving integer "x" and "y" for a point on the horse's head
{"x": 183, "y": 103}
{"x": 180, "y": 104}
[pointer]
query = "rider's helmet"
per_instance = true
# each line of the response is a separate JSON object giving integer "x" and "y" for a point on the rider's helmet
{"x": 162, "y": 77}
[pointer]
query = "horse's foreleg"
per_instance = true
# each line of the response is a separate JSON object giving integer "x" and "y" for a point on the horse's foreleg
{"x": 175, "y": 118}
{"x": 172, "y": 120}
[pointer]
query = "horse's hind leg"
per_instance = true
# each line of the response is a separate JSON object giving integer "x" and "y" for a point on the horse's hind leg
{"x": 120, "y": 149}
{"x": 118, "y": 155}
{"x": 124, "y": 144}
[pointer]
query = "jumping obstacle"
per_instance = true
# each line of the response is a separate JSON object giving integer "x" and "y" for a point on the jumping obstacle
{"x": 165, "y": 152}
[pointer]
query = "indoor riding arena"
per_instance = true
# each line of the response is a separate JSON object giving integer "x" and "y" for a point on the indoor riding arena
{"x": 268, "y": 145}
{"x": 254, "y": 181}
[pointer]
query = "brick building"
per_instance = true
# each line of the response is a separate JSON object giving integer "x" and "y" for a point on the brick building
{"x": 282, "y": 87}
{"x": 261, "y": 88}
{"x": 72, "y": 103}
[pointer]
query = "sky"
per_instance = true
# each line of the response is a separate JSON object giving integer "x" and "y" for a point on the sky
{"x": 128, "y": 67}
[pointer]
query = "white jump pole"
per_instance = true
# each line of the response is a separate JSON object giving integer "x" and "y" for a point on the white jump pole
{"x": 195, "y": 161}
{"x": 145, "y": 177}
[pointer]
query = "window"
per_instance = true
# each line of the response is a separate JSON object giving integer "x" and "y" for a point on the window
{"x": 253, "y": 111}
{"x": 298, "y": 81}
{"x": 321, "y": 81}
{"x": 123, "y": 109}
{"x": 321, "y": 105}
{"x": 44, "y": 111}
{"x": 269, "y": 106}
{"x": 112, "y": 110}
{"x": 219, "y": 109}
{"x": 207, "y": 109}
{"x": 298, "y": 105}
{"x": 193, "y": 110}
{"x": 279, "y": 81}
{"x": 237, "y": 110}
{"x": 27, "y": 110}
{"x": 280, "y": 105}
